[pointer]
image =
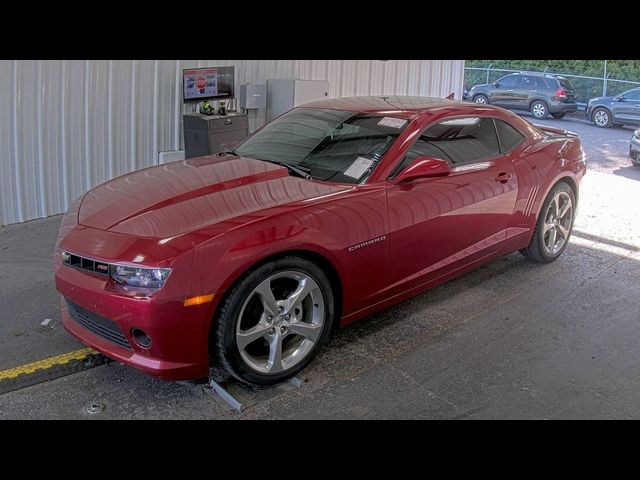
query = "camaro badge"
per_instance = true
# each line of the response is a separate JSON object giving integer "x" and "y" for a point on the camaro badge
{"x": 368, "y": 243}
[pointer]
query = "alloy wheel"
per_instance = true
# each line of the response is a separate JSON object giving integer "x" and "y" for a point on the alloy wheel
{"x": 480, "y": 99}
{"x": 557, "y": 223}
{"x": 601, "y": 118}
{"x": 280, "y": 322}
{"x": 539, "y": 110}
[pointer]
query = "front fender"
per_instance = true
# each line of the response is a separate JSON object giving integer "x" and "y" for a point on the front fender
{"x": 243, "y": 254}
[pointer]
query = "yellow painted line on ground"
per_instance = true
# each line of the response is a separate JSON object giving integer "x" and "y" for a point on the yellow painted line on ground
{"x": 47, "y": 363}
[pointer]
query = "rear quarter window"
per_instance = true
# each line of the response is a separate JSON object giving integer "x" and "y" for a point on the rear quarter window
{"x": 509, "y": 136}
{"x": 544, "y": 83}
{"x": 564, "y": 83}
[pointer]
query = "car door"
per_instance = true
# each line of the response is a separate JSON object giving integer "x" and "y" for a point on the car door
{"x": 526, "y": 89}
{"x": 440, "y": 224}
{"x": 628, "y": 107}
{"x": 502, "y": 94}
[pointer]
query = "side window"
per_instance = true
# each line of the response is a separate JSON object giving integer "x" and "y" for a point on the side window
{"x": 509, "y": 136}
{"x": 508, "y": 82}
{"x": 541, "y": 83}
{"x": 458, "y": 141}
{"x": 632, "y": 95}
{"x": 527, "y": 83}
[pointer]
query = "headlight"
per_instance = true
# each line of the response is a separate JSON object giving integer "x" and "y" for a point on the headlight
{"x": 139, "y": 277}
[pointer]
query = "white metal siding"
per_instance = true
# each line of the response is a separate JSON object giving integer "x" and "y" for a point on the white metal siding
{"x": 66, "y": 126}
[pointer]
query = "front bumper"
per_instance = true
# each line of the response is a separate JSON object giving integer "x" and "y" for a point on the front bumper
{"x": 178, "y": 334}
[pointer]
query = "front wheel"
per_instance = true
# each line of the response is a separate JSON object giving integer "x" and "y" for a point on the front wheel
{"x": 601, "y": 117}
{"x": 554, "y": 225}
{"x": 481, "y": 99}
{"x": 273, "y": 322}
{"x": 539, "y": 110}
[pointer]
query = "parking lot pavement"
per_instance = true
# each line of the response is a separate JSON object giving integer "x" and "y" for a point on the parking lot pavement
{"x": 512, "y": 339}
{"x": 27, "y": 295}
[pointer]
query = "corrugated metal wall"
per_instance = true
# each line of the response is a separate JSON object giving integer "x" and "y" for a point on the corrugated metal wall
{"x": 66, "y": 126}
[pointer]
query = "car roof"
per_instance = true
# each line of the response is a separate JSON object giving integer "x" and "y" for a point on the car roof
{"x": 391, "y": 104}
{"x": 537, "y": 74}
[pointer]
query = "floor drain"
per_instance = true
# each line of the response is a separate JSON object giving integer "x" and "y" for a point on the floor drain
{"x": 95, "y": 408}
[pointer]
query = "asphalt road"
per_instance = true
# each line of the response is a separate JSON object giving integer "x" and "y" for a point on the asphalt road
{"x": 512, "y": 339}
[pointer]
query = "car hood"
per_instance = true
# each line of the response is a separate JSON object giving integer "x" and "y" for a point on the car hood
{"x": 179, "y": 197}
{"x": 482, "y": 85}
{"x": 601, "y": 100}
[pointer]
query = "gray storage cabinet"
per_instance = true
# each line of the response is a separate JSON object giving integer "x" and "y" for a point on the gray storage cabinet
{"x": 206, "y": 134}
{"x": 283, "y": 95}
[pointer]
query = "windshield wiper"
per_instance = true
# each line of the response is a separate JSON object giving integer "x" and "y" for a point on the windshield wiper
{"x": 304, "y": 172}
{"x": 226, "y": 151}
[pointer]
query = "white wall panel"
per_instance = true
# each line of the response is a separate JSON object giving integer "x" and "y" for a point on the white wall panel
{"x": 66, "y": 126}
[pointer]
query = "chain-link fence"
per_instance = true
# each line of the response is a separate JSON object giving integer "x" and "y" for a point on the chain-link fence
{"x": 586, "y": 87}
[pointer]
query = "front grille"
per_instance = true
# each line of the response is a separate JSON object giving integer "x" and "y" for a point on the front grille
{"x": 83, "y": 263}
{"x": 99, "y": 325}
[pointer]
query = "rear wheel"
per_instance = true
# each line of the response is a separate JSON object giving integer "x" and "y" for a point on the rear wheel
{"x": 539, "y": 109}
{"x": 601, "y": 117}
{"x": 482, "y": 99}
{"x": 558, "y": 115}
{"x": 273, "y": 322}
{"x": 554, "y": 225}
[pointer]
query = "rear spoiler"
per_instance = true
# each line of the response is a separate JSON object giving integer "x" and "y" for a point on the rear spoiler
{"x": 555, "y": 131}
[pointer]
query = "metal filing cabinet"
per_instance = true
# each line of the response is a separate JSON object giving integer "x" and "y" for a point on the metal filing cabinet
{"x": 283, "y": 95}
{"x": 206, "y": 134}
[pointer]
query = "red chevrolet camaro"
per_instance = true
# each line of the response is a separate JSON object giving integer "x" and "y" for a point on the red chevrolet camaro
{"x": 246, "y": 260}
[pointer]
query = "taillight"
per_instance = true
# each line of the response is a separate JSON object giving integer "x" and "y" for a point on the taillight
{"x": 561, "y": 93}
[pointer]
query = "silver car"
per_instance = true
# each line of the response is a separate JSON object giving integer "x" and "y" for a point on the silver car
{"x": 623, "y": 109}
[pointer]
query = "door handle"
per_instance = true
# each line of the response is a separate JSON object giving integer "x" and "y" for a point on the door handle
{"x": 503, "y": 177}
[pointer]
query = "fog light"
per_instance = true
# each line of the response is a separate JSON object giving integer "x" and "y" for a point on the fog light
{"x": 141, "y": 337}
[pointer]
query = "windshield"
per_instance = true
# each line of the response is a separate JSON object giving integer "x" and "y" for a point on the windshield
{"x": 332, "y": 145}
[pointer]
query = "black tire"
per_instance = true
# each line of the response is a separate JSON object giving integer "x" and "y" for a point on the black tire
{"x": 225, "y": 355}
{"x": 481, "y": 99}
{"x": 539, "y": 109}
{"x": 536, "y": 250}
{"x": 558, "y": 116}
{"x": 604, "y": 114}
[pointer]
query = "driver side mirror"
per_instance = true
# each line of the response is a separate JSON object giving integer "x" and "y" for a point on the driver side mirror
{"x": 620, "y": 98}
{"x": 496, "y": 84}
{"x": 424, "y": 167}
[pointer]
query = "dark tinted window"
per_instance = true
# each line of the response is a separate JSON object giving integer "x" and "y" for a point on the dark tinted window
{"x": 509, "y": 136}
{"x": 527, "y": 82}
{"x": 632, "y": 95}
{"x": 508, "y": 81}
{"x": 542, "y": 83}
{"x": 564, "y": 83}
{"x": 461, "y": 140}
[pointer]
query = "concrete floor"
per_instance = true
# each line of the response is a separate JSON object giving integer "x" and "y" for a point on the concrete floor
{"x": 512, "y": 339}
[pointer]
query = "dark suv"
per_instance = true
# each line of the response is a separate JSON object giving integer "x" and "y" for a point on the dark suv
{"x": 540, "y": 93}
